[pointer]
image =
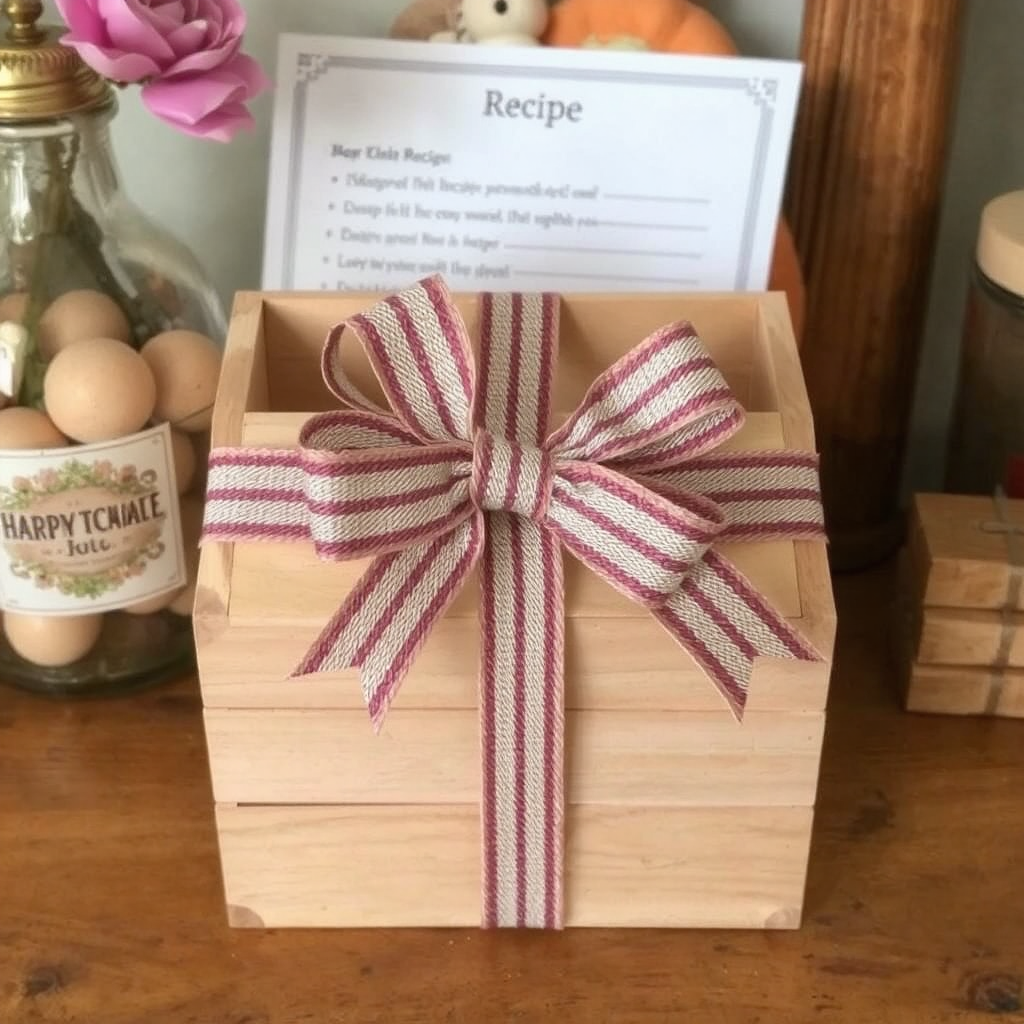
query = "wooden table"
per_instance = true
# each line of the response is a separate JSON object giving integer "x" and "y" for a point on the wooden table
{"x": 110, "y": 901}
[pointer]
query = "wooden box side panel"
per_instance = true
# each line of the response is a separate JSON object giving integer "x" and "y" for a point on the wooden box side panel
{"x": 243, "y": 388}
{"x": 780, "y": 364}
{"x": 621, "y": 758}
{"x": 595, "y": 331}
{"x": 611, "y": 664}
{"x": 361, "y": 867}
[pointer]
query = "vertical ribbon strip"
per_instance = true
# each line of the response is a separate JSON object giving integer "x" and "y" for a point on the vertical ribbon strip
{"x": 461, "y": 470}
{"x": 521, "y": 617}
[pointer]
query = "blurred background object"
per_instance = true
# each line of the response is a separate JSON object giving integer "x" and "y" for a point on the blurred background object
{"x": 986, "y": 444}
{"x": 865, "y": 193}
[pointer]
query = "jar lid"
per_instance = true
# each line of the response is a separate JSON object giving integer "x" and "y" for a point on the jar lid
{"x": 39, "y": 78}
{"x": 1001, "y": 242}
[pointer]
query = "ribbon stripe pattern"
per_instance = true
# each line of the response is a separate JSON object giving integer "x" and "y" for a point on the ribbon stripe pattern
{"x": 462, "y": 471}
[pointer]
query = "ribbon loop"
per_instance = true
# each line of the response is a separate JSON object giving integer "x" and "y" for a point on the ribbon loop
{"x": 666, "y": 399}
{"x": 419, "y": 349}
{"x": 640, "y": 543}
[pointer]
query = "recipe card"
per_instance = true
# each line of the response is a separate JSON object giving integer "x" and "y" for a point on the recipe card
{"x": 524, "y": 169}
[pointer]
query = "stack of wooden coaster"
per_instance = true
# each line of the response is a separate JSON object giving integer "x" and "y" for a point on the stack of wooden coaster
{"x": 963, "y": 587}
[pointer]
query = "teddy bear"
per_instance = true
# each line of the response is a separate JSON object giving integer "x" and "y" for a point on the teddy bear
{"x": 495, "y": 22}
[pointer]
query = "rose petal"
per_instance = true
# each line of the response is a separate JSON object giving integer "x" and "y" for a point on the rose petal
{"x": 189, "y": 100}
{"x": 83, "y": 19}
{"x": 112, "y": 63}
{"x": 213, "y": 15}
{"x": 224, "y": 124}
{"x": 130, "y": 28}
{"x": 220, "y": 126}
{"x": 229, "y": 14}
{"x": 173, "y": 9}
{"x": 166, "y": 17}
{"x": 188, "y": 38}
{"x": 204, "y": 61}
{"x": 249, "y": 73}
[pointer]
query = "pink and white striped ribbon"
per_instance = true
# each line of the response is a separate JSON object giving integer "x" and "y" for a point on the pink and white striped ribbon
{"x": 461, "y": 470}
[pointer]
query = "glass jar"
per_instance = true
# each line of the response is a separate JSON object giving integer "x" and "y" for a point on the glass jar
{"x": 986, "y": 448}
{"x": 110, "y": 338}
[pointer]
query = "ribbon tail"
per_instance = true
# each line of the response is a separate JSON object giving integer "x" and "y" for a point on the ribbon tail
{"x": 720, "y": 618}
{"x": 389, "y": 615}
{"x": 522, "y": 724}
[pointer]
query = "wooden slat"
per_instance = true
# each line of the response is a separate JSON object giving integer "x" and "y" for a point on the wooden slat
{"x": 307, "y": 590}
{"x": 762, "y": 431}
{"x": 951, "y": 636}
{"x": 631, "y": 664}
{"x": 358, "y": 867}
{"x": 945, "y": 690}
{"x": 631, "y": 758}
{"x": 961, "y": 552}
{"x": 242, "y": 388}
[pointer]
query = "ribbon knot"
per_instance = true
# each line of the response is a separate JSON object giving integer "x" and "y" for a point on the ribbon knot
{"x": 511, "y": 477}
{"x": 632, "y": 485}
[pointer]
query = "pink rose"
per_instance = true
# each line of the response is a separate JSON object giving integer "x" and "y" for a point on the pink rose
{"x": 186, "y": 53}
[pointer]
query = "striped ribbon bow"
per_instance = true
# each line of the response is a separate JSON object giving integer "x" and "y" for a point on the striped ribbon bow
{"x": 462, "y": 470}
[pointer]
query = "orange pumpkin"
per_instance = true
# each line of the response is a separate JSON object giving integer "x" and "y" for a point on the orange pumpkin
{"x": 670, "y": 26}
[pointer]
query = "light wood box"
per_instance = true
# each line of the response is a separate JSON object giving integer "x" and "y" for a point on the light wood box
{"x": 676, "y": 816}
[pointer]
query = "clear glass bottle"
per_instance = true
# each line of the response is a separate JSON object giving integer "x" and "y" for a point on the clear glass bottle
{"x": 986, "y": 447}
{"x": 79, "y": 261}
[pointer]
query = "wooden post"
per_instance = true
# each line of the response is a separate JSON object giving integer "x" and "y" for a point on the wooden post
{"x": 864, "y": 198}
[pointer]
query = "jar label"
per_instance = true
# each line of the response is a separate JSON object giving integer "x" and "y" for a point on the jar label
{"x": 91, "y": 528}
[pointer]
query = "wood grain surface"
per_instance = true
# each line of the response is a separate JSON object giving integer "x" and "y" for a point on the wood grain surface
{"x": 111, "y": 909}
{"x": 866, "y": 184}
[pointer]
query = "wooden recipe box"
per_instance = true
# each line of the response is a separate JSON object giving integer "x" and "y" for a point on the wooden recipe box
{"x": 675, "y": 814}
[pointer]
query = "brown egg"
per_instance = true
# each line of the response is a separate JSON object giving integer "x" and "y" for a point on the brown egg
{"x": 186, "y": 367}
{"x": 78, "y": 316}
{"x": 14, "y": 307}
{"x": 184, "y": 460}
{"x": 52, "y": 641}
{"x": 153, "y": 604}
{"x": 21, "y": 427}
{"x": 98, "y": 390}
